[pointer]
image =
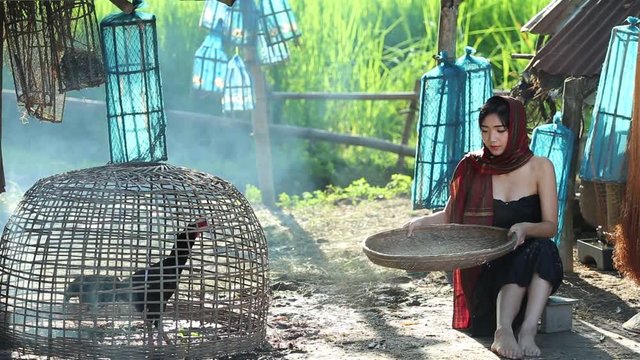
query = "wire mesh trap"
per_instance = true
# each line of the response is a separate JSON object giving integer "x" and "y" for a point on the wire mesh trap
{"x": 130, "y": 261}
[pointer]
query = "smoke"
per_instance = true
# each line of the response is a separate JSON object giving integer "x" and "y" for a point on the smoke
{"x": 35, "y": 150}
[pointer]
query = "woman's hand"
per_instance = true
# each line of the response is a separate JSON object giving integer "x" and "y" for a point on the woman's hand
{"x": 518, "y": 230}
{"x": 410, "y": 225}
{"x": 439, "y": 217}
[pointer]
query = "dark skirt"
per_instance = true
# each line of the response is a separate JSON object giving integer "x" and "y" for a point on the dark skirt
{"x": 536, "y": 255}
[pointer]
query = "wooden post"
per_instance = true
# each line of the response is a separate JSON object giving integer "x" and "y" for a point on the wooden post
{"x": 447, "y": 28}
{"x": 2, "y": 179}
{"x": 261, "y": 130}
{"x": 408, "y": 123}
{"x": 575, "y": 90}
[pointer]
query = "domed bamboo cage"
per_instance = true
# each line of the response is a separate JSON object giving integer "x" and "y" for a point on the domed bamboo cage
{"x": 88, "y": 256}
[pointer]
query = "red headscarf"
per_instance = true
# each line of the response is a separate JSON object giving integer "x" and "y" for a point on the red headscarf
{"x": 471, "y": 200}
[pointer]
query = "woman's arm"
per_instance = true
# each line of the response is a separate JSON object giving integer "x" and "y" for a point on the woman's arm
{"x": 439, "y": 217}
{"x": 547, "y": 190}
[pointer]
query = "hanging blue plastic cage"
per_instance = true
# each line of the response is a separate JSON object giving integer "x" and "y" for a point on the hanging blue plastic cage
{"x": 478, "y": 89}
{"x": 212, "y": 12}
{"x": 270, "y": 54}
{"x": 440, "y": 133}
{"x": 279, "y": 21}
{"x": 210, "y": 63}
{"x": 241, "y": 23}
{"x": 604, "y": 157}
{"x": 555, "y": 142}
{"x": 238, "y": 92}
{"x": 135, "y": 110}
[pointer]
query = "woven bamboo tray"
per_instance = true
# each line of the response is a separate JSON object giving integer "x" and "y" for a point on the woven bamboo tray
{"x": 438, "y": 247}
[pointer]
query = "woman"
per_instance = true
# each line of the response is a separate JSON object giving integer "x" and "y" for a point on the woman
{"x": 504, "y": 185}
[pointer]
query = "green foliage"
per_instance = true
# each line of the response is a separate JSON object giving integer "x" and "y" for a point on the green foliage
{"x": 253, "y": 194}
{"x": 359, "y": 190}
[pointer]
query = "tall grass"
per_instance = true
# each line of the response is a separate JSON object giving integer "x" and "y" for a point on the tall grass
{"x": 356, "y": 45}
{"x": 493, "y": 27}
{"x": 387, "y": 46}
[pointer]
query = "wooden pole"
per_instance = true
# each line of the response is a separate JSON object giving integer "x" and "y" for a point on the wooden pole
{"x": 575, "y": 90}
{"x": 447, "y": 28}
{"x": 260, "y": 122}
{"x": 124, "y": 5}
{"x": 287, "y": 131}
{"x": 280, "y": 95}
{"x": 2, "y": 180}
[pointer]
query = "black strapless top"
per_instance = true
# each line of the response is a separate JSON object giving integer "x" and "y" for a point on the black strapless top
{"x": 525, "y": 209}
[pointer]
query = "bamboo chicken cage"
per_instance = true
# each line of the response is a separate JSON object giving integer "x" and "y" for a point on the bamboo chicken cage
{"x": 132, "y": 261}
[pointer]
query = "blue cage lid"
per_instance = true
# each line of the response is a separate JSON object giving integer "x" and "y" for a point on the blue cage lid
{"x": 468, "y": 60}
{"x": 555, "y": 127}
{"x": 120, "y": 18}
{"x": 630, "y": 28}
{"x": 445, "y": 68}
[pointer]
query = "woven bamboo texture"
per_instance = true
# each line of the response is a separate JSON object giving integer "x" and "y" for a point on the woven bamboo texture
{"x": 75, "y": 44}
{"x": 32, "y": 60}
{"x": 438, "y": 247}
{"x": 110, "y": 222}
{"x": 588, "y": 205}
{"x": 600, "y": 203}
{"x": 615, "y": 195}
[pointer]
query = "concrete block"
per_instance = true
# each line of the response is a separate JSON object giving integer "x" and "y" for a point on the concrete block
{"x": 590, "y": 250}
{"x": 557, "y": 315}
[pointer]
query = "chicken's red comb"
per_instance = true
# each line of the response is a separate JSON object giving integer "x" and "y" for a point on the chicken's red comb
{"x": 201, "y": 224}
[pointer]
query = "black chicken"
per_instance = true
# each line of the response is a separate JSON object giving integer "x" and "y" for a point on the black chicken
{"x": 148, "y": 290}
{"x": 96, "y": 290}
{"x": 153, "y": 286}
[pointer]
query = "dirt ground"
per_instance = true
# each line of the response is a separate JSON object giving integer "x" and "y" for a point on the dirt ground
{"x": 330, "y": 302}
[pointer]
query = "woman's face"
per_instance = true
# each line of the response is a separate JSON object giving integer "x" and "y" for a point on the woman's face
{"x": 494, "y": 134}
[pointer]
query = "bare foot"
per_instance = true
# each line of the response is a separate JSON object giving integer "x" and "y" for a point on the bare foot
{"x": 505, "y": 344}
{"x": 526, "y": 340}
